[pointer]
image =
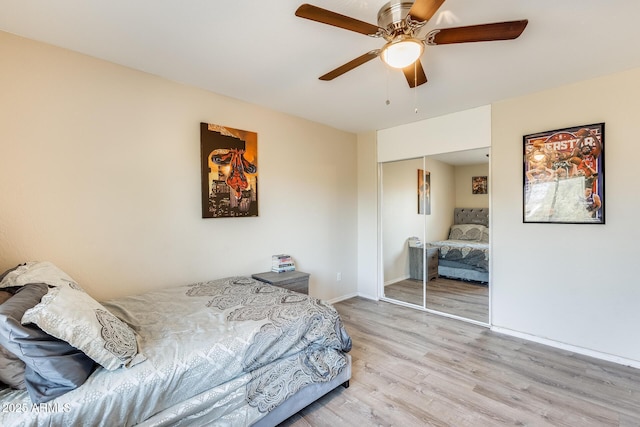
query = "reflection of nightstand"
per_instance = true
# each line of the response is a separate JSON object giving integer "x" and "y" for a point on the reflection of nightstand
{"x": 415, "y": 263}
{"x": 432, "y": 263}
{"x": 293, "y": 280}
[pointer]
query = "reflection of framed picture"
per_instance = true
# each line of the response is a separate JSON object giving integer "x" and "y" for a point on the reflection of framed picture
{"x": 424, "y": 192}
{"x": 564, "y": 176}
{"x": 479, "y": 185}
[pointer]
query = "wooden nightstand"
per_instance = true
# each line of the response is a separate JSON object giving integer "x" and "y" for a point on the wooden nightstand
{"x": 293, "y": 280}
{"x": 415, "y": 263}
{"x": 432, "y": 263}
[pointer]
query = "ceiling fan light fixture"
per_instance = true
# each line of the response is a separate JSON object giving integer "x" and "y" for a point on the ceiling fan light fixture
{"x": 402, "y": 52}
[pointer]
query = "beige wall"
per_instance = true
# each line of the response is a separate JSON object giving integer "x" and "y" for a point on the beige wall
{"x": 399, "y": 217}
{"x": 443, "y": 199}
{"x": 464, "y": 196}
{"x": 367, "y": 217}
{"x": 100, "y": 175}
{"x": 571, "y": 284}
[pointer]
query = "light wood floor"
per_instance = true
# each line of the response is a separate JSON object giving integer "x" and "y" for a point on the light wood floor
{"x": 465, "y": 299}
{"x": 413, "y": 368}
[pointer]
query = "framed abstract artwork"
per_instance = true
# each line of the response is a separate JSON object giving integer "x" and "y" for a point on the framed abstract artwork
{"x": 479, "y": 185}
{"x": 564, "y": 176}
{"x": 424, "y": 192}
{"x": 229, "y": 171}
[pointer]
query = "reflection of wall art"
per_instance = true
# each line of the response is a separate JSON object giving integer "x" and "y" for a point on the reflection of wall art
{"x": 564, "y": 176}
{"x": 424, "y": 192}
{"x": 479, "y": 185}
{"x": 229, "y": 170}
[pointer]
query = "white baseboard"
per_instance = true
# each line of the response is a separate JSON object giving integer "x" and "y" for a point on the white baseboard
{"x": 342, "y": 298}
{"x": 371, "y": 297}
{"x": 568, "y": 347}
{"x": 352, "y": 295}
{"x": 396, "y": 280}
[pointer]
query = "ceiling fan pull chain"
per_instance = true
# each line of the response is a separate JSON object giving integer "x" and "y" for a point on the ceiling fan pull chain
{"x": 387, "y": 102}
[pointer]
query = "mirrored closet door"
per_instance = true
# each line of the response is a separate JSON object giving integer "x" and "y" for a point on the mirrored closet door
{"x": 402, "y": 231}
{"x": 418, "y": 198}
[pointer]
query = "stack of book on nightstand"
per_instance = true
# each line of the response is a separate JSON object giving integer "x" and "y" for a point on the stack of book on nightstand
{"x": 281, "y": 263}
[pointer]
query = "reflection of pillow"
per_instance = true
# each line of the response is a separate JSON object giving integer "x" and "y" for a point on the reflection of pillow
{"x": 69, "y": 313}
{"x": 53, "y": 367}
{"x": 485, "y": 236}
{"x": 466, "y": 232}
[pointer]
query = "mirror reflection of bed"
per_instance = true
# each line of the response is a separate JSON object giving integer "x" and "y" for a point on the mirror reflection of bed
{"x": 456, "y": 280}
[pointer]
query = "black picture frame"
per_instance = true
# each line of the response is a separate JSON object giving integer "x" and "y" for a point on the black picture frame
{"x": 563, "y": 176}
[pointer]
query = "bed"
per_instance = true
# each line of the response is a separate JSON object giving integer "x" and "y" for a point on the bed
{"x": 465, "y": 254}
{"x": 233, "y": 351}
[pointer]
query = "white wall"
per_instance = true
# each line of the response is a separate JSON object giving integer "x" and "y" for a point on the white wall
{"x": 453, "y": 132}
{"x": 100, "y": 175}
{"x": 572, "y": 284}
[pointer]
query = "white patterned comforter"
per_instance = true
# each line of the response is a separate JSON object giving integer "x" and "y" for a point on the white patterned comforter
{"x": 227, "y": 351}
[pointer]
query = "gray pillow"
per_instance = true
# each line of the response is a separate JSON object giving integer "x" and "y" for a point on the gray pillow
{"x": 53, "y": 367}
{"x": 11, "y": 367}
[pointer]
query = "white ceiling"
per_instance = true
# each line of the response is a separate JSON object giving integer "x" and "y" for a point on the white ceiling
{"x": 260, "y": 52}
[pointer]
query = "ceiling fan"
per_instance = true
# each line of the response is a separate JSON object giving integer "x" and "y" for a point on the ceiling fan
{"x": 399, "y": 23}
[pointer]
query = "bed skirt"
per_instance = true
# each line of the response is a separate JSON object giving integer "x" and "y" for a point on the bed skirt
{"x": 463, "y": 274}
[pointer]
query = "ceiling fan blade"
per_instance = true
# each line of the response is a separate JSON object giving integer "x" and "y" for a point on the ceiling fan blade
{"x": 477, "y": 33}
{"x": 350, "y": 65}
{"x": 423, "y": 10}
{"x": 415, "y": 74}
{"x": 328, "y": 17}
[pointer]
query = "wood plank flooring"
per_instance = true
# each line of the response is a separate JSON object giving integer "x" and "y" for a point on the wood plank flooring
{"x": 465, "y": 299}
{"x": 413, "y": 368}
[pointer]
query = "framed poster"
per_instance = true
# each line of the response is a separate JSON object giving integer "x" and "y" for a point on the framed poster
{"x": 424, "y": 192}
{"x": 229, "y": 171}
{"x": 479, "y": 185}
{"x": 564, "y": 176}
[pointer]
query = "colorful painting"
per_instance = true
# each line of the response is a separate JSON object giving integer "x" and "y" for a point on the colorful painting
{"x": 564, "y": 176}
{"x": 424, "y": 192}
{"x": 229, "y": 169}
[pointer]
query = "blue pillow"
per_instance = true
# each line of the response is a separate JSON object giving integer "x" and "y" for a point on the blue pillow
{"x": 53, "y": 367}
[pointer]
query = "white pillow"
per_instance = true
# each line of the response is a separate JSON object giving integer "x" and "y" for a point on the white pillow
{"x": 67, "y": 312}
{"x": 35, "y": 272}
